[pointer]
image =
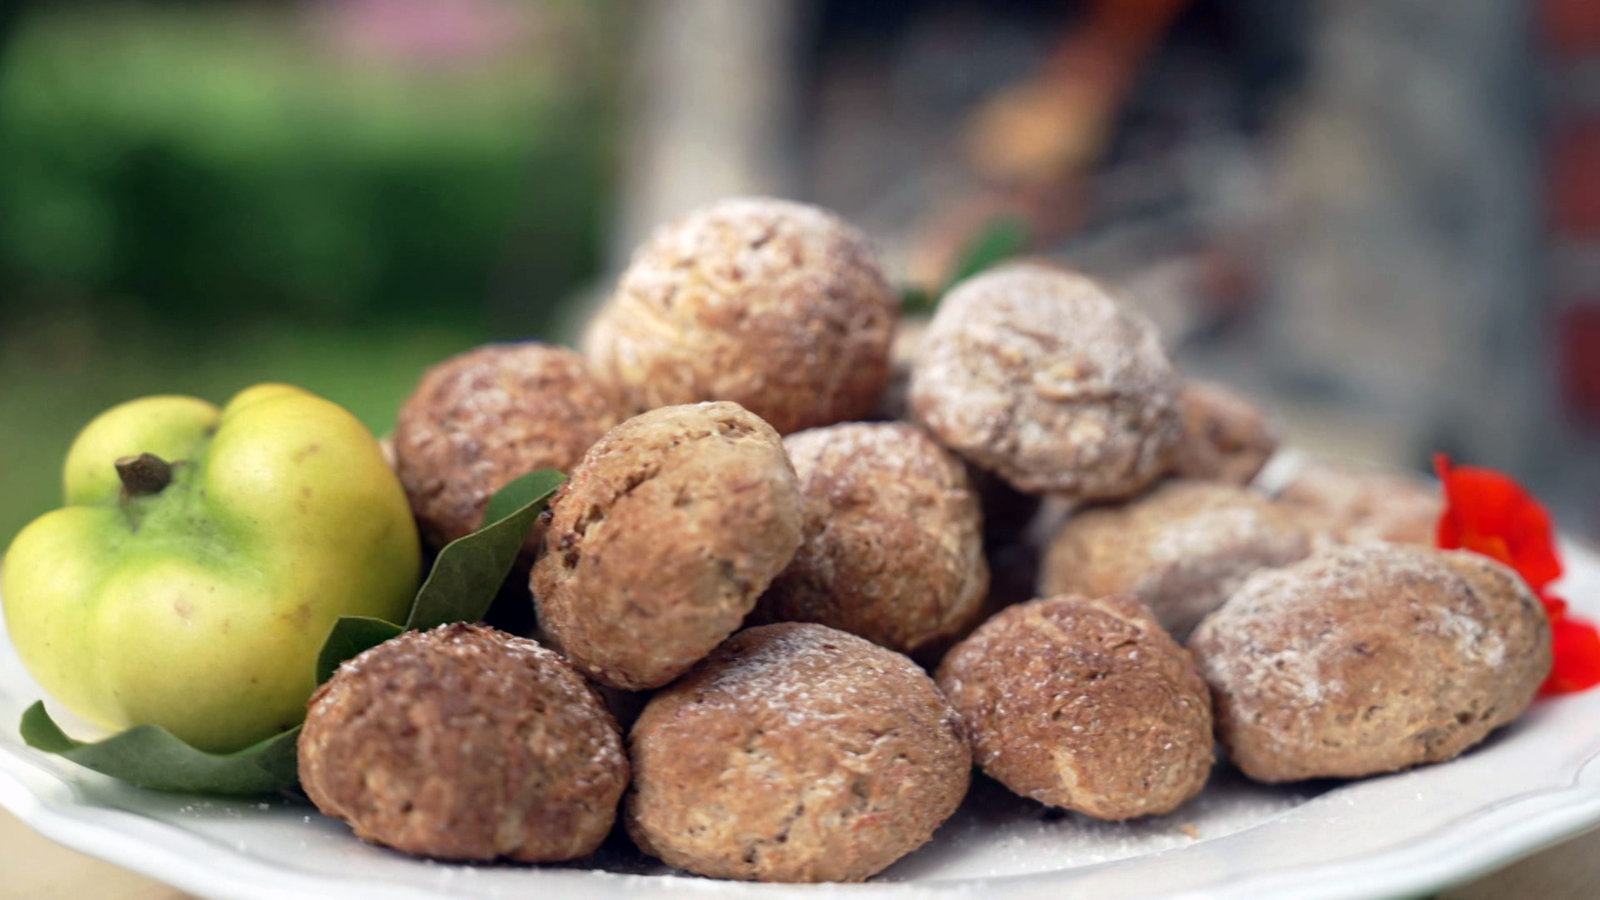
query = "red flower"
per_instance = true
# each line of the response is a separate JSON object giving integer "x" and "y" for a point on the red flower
{"x": 1577, "y": 651}
{"x": 1488, "y": 513}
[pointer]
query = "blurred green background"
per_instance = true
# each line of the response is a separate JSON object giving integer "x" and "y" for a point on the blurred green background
{"x": 196, "y": 197}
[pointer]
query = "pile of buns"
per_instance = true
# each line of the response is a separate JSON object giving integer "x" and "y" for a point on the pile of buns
{"x": 777, "y": 598}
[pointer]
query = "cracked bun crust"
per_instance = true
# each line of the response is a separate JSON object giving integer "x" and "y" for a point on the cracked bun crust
{"x": 1182, "y": 549}
{"x": 1369, "y": 659}
{"x": 1084, "y": 704}
{"x": 465, "y": 743}
{"x": 893, "y": 547}
{"x": 480, "y": 419}
{"x": 778, "y": 306}
{"x": 662, "y": 541}
{"x": 1040, "y": 375}
{"x": 795, "y": 753}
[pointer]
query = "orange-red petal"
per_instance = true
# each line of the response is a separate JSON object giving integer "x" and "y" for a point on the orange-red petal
{"x": 1554, "y": 607}
{"x": 1576, "y": 646}
{"x": 1489, "y": 513}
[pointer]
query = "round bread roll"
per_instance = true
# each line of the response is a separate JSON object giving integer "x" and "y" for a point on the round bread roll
{"x": 1352, "y": 504}
{"x": 795, "y": 753}
{"x": 1372, "y": 658}
{"x": 1039, "y": 375}
{"x": 1182, "y": 549}
{"x": 659, "y": 545}
{"x": 465, "y": 743}
{"x": 1084, "y": 704}
{"x": 480, "y": 419}
{"x": 893, "y": 547}
{"x": 1225, "y": 436}
{"x": 778, "y": 306}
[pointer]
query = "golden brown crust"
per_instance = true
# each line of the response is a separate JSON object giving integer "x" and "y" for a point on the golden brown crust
{"x": 1181, "y": 549}
{"x": 659, "y": 545}
{"x": 1039, "y": 375}
{"x": 1350, "y": 503}
{"x": 465, "y": 743}
{"x": 1083, "y": 704}
{"x": 795, "y": 753}
{"x": 893, "y": 546}
{"x": 1372, "y": 658}
{"x": 778, "y": 306}
{"x": 1225, "y": 436}
{"x": 480, "y": 419}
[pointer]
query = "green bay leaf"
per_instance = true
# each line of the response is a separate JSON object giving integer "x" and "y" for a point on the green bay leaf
{"x": 151, "y": 757}
{"x": 469, "y": 569}
{"x": 350, "y": 636}
{"x": 998, "y": 240}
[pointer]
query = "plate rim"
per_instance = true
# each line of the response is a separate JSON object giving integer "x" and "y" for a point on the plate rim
{"x": 1505, "y": 830}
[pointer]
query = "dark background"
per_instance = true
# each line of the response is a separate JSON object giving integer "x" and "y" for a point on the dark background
{"x": 1383, "y": 219}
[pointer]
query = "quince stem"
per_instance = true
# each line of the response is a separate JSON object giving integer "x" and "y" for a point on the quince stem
{"x": 144, "y": 474}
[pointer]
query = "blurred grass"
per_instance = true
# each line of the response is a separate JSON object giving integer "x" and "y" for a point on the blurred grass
{"x": 195, "y": 198}
{"x": 58, "y": 373}
{"x": 211, "y": 161}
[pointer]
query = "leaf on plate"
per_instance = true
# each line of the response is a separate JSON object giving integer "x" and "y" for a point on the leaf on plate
{"x": 469, "y": 569}
{"x": 349, "y": 637}
{"x": 150, "y": 756}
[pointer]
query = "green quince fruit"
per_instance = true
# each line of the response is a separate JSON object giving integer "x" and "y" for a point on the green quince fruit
{"x": 201, "y": 560}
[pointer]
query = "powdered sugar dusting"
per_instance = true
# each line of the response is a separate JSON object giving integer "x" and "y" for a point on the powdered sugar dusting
{"x": 1370, "y": 658}
{"x": 805, "y": 675}
{"x": 779, "y": 306}
{"x": 1474, "y": 642}
{"x": 998, "y": 834}
{"x": 1041, "y": 375}
{"x": 1276, "y": 637}
{"x": 885, "y": 447}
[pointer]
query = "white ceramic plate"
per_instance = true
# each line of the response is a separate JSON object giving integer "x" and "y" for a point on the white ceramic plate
{"x": 1530, "y": 785}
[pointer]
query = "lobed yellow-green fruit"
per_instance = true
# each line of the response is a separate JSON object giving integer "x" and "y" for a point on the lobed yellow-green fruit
{"x": 201, "y": 606}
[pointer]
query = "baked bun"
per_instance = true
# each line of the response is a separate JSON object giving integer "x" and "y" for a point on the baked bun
{"x": 893, "y": 547}
{"x": 465, "y": 743}
{"x": 1182, "y": 549}
{"x": 662, "y": 540}
{"x": 480, "y": 419}
{"x": 1225, "y": 436}
{"x": 1085, "y": 704}
{"x": 1349, "y": 503}
{"x": 1369, "y": 659}
{"x": 1041, "y": 376}
{"x": 795, "y": 753}
{"x": 778, "y": 306}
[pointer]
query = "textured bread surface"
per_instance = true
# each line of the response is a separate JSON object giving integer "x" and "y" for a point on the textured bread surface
{"x": 1085, "y": 704}
{"x": 893, "y": 547}
{"x": 1183, "y": 549}
{"x": 1225, "y": 436}
{"x": 778, "y": 306}
{"x": 795, "y": 753}
{"x": 1371, "y": 658}
{"x": 480, "y": 419}
{"x": 465, "y": 743}
{"x": 1042, "y": 376}
{"x": 662, "y": 540}
{"x": 1346, "y": 503}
